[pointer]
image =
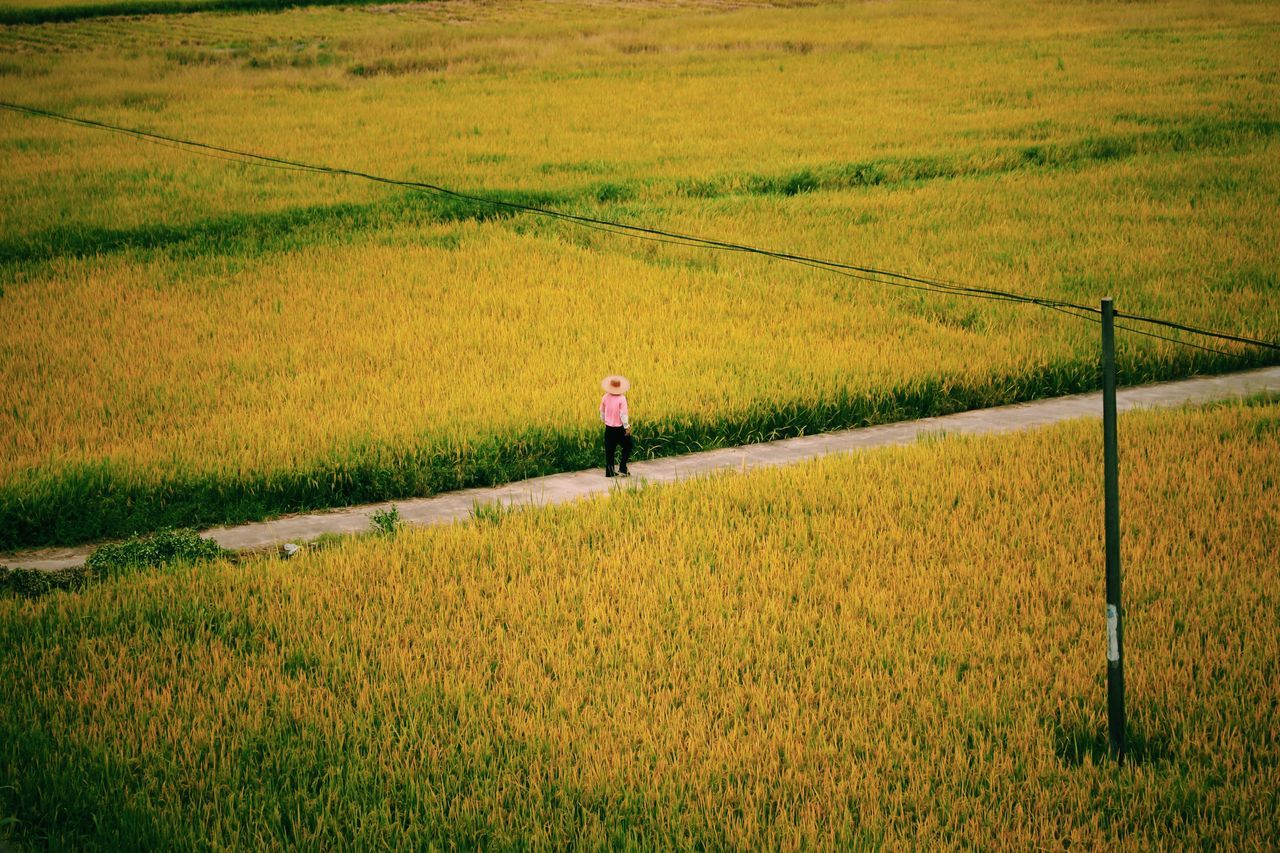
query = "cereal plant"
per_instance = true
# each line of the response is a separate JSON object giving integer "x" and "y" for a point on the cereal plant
{"x": 899, "y": 648}
{"x": 188, "y": 342}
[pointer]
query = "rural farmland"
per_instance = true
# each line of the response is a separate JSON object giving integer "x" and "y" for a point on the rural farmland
{"x": 259, "y": 258}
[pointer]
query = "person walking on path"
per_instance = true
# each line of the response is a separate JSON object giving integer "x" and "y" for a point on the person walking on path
{"x": 617, "y": 425}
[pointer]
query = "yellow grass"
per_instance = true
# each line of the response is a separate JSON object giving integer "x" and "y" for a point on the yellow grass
{"x": 167, "y": 316}
{"x": 558, "y": 96}
{"x": 232, "y": 366}
{"x": 902, "y": 647}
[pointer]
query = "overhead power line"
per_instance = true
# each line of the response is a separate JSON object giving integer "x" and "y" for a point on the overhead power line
{"x": 656, "y": 234}
{"x": 855, "y": 271}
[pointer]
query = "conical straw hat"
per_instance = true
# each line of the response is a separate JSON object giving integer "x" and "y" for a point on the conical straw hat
{"x": 615, "y": 384}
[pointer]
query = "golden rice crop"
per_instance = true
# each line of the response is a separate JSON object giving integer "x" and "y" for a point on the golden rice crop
{"x": 175, "y": 328}
{"x": 562, "y": 97}
{"x": 232, "y": 367}
{"x": 901, "y": 647}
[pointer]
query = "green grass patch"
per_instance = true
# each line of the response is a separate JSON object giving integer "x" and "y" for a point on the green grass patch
{"x": 254, "y": 234}
{"x": 164, "y": 547}
{"x": 33, "y": 583}
{"x": 115, "y": 559}
{"x": 1193, "y": 136}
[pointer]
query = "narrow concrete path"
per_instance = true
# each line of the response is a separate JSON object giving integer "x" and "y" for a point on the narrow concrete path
{"x": 560, "y": 488}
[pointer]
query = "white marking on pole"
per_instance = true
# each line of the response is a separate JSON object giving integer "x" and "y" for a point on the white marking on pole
{"x": 1113, "y": 634}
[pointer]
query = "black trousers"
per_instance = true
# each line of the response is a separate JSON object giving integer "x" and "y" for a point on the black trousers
{"x": 615, "y": 437}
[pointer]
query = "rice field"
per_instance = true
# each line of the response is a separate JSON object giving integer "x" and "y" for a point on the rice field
{"x": 899, "y": 648}
{"x": 189, "y": 341}
{"x": 903, "y": 647}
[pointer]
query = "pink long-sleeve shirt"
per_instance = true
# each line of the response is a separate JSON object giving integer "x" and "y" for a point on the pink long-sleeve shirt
{"x": 613, "y": 411}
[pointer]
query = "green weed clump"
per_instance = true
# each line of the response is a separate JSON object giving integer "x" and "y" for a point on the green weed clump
{"x": 115, "y": 559}
{"x": 161, "y": 548}
{"x": 33, "y": 583}
{"x": 386, "y": 522}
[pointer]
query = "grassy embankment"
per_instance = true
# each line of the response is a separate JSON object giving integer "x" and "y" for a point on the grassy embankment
{"x": 904, "y": 646}
{"x": 188, "y": 342}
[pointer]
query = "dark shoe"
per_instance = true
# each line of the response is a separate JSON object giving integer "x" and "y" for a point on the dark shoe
{"x": 624, "y": 473}
{"x": 608, "y": 472}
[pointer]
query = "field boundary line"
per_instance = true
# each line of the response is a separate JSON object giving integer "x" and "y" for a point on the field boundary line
{"x": 574, "y": 485}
